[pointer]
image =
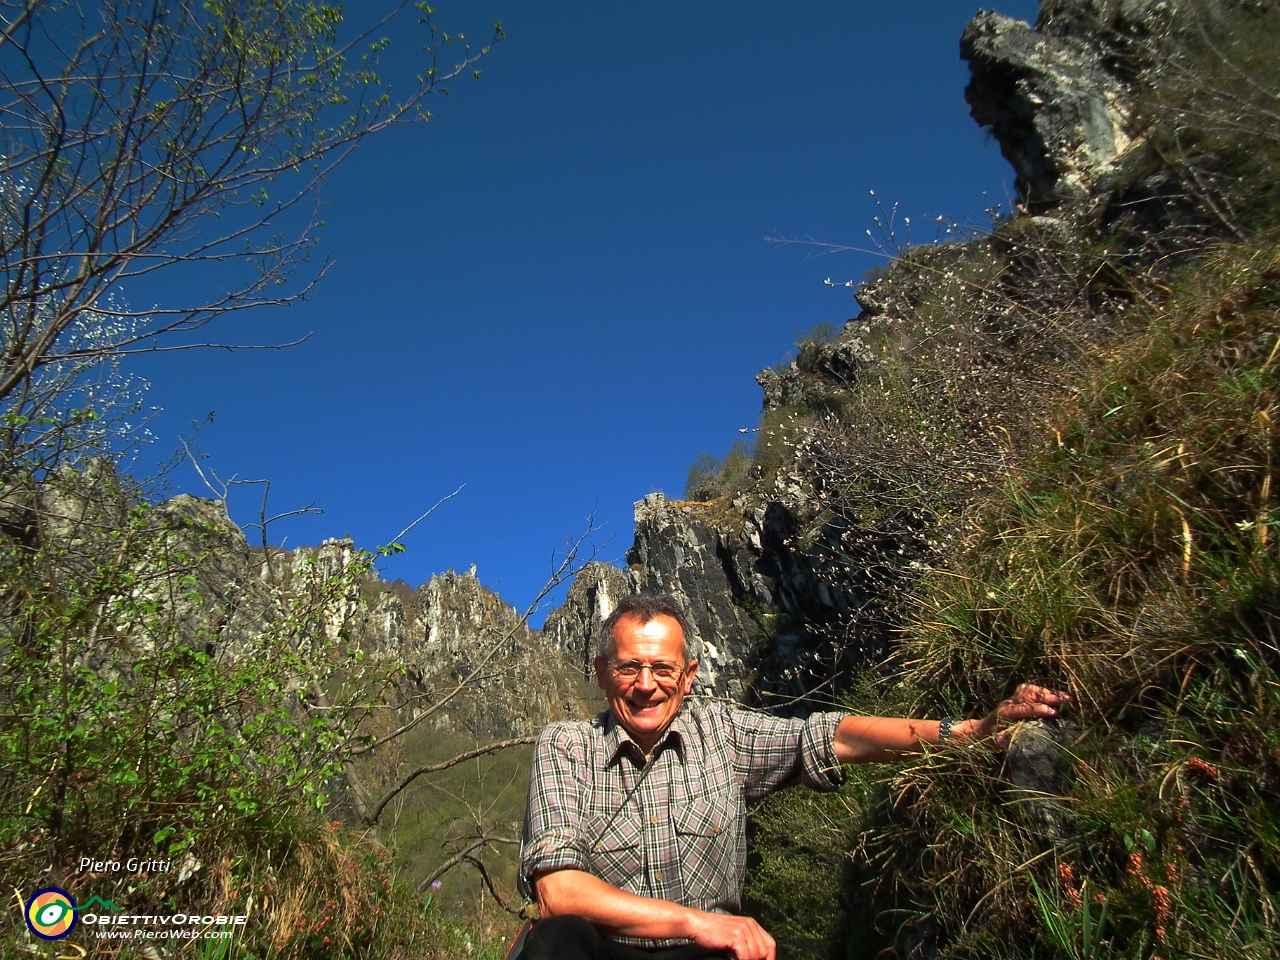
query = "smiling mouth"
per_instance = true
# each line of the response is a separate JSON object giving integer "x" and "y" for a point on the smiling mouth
{"x": 644, "y": 708}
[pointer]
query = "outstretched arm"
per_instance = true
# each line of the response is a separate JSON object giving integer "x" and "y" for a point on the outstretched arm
{"x": 578, "y": 892}
{"x": 882, "y": 739}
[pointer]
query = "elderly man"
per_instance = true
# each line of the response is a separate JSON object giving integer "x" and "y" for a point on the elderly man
{"x": 635, "y": 838}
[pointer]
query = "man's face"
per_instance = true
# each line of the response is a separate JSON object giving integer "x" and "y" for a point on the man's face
{"x": 645, "y": 704}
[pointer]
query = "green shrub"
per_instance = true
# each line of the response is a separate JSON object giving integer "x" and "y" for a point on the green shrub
{"x": 797, "y": 884}
{"x": 136, "y": 723}
{"x": 704, "y": 473}
{"x": 710, "y": 476}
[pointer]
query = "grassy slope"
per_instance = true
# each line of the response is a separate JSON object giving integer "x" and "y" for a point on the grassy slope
{"x": 1131, "y": 560}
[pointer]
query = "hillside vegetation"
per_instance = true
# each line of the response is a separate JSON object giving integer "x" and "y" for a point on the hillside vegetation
{"x": 1130, "y": 561}
{"x": 1083, "y": 412}
{"x": 150, "y": 716}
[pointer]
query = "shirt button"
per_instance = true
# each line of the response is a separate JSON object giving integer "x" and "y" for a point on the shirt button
{"x": 653, "y": 821}
{"x": 658, "y": 875}
{"x": 715, "y": 830}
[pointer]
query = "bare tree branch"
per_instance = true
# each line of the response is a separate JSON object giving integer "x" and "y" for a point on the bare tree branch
{"x": 138, "y": 135}
{"x": 461, "y": 856}
{"x": 174, "y": 347}
{"x": 399, "y": 536}
{"x": 488, "y": 882}
{"x": 376, "y": 811}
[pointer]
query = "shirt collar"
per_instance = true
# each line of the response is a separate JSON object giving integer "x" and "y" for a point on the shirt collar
{"x": 618, "y": 741}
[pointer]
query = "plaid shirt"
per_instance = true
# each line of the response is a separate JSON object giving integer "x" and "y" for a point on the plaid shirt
{"x": 681, "y": 835}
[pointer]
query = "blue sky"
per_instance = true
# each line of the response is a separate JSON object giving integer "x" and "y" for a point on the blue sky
{"x": 557, "y": 292}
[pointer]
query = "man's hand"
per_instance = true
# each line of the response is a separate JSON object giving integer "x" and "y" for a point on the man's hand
{"x": 741, "y": 936}
{"x": 570, "y": 891}
{"x": 1028, "y": 702}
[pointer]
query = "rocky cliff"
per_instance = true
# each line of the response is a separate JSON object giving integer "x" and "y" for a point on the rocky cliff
{"x": 449, "y": 633}
{"x": 737, "y": 568}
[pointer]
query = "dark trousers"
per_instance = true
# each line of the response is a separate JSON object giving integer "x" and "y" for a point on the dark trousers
{"x": 573, "y": 938}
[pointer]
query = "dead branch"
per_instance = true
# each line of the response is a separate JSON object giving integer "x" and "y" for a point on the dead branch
{"x": 399, "y": 536}
{"x": 461, "y": 856}
{"x": 488, "y": 882}
{"x": 437, "y": 767}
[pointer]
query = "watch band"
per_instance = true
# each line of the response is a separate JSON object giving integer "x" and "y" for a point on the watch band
{"x": 944, "y": 730}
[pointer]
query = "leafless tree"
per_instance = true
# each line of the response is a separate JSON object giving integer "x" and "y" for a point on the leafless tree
{"x": 138, "y": 136}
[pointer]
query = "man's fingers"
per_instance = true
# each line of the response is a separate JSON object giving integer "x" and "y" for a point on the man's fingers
{"x": 763, "y": 946}
{"x": 1030, "y": 700}
{"x": 1009, "y": 710}
{"x": 1025, "y": 711}
{"x": 741, "y": 936}
{"x": 1031, "y": 693}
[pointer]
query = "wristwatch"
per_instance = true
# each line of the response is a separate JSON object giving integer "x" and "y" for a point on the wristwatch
{"x": 944, "y": 730}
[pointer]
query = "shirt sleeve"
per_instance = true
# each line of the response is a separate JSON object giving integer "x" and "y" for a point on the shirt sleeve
{"x": 553, "y": 836}
{"x": 772, "y": 752}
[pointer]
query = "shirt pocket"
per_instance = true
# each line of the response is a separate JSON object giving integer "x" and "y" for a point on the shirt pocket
{"x": 707, "y": 835}
{"x": 615, "y": 854}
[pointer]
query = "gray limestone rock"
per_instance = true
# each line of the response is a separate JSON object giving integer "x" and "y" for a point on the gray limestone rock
{"x": 574, "y": 626}
{"x": 1038, "y": 767}
{"x": 1060, "y": 98}
{"x": 693, "y": 552}
{"x": 1060, "y": 117}
{"x": 821, "y": 370}
{"x": 781, "y": 388}
{"x": 453, "y": 634}
{"x": 451, "y": 643}
{"x": 741, "y": 568}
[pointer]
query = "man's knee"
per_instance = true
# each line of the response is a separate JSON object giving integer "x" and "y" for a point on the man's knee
{"x": 564, "y": 938}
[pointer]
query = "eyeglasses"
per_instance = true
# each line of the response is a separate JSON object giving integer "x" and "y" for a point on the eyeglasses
{"x": 662, "y": 672}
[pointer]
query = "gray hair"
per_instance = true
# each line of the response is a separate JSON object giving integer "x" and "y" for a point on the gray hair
{"x": 645, "y": 607}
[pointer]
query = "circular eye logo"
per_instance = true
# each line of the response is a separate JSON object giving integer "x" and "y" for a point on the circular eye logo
{"x": 51, "y": 913}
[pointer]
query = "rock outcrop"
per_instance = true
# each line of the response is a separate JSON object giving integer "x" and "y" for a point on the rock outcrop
{"x": 1065, "y": 99}
{"x": 767, "y": 617}
{"x": 820, "y": 372}
{"x": 453, "y": 634}
{"x": 1038, "y": 767}
{"x": 1060, "y": 115}
{"x": 451, "y": 644}
{"x": 573, "y": 628}
{"x": 706, "y": 556}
